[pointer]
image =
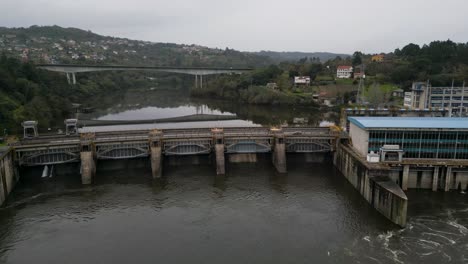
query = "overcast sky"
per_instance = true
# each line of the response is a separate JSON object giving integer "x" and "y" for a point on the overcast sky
{"x": 250, "y": 25}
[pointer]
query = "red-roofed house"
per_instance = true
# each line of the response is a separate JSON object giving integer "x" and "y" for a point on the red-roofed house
{"x": 343, "y": 72}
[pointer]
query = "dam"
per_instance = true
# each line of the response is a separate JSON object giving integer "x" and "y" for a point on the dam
{"x": 220, "y": 145}
{"x": 382, "y": 157}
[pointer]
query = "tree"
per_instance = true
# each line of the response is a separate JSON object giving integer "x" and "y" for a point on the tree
{"x": 357, "y": 58}
{"x": 410, "y": 50}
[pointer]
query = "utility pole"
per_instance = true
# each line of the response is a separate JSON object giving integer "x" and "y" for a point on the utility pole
{"x": 358, "y": 96}
{"x": 451, "y": 97}
{"x": 462, "y": 103}
{"x": 428, "y": 94}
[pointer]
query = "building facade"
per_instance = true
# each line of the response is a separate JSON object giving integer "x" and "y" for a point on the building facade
{"x": 418, "y": 137}
{"x": 359, "y": 72}
{"x": 302, "y": 80}
{"x": 344, "y": 72}
{"x": 378, "y": 58}
{"x": 424, "y": 96}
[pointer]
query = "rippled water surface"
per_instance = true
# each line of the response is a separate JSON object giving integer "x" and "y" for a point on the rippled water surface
{"x": 310, "y": 215}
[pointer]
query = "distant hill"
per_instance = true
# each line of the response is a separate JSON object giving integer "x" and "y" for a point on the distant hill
{"x": 54, "y": 44}
{"x": 295, "y": 56}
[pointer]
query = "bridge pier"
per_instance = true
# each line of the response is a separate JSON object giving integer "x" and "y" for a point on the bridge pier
{"x": 156, "y": 153}
{"x": 218, "y": 138}
{"x": 72, "y": 79}
{"x": 404, "y": 183}
{"x": 279, "y": 151}
{"x": 435, "y": 179}
{"x": 198, "y": 81}
{"x": 448, "y": 179}
{"x": 87, "y": 155}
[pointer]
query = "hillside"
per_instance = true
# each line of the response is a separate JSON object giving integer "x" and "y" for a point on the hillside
{"x": 295, "y": 56}
{"x": 54, "y": 44}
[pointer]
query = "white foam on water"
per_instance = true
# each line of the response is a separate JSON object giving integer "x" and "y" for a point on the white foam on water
{"x": 427, "y": 254}
{"x": 436, "y": 244}
{"x": 441, "y": 236}
{"x": 462, "y": 229}
{"x": 394, "y": 253}
{"x": 447, "y": 257}
{"x": 367, "y": 238}
{"x": 374, "y": 259}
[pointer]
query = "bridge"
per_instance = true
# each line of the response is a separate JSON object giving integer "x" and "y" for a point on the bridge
{"x": 71, "y": 70}
{"x": 89, "y": 148}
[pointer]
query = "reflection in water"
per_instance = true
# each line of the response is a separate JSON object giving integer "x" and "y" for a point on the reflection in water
{"x": 154, "y": 104}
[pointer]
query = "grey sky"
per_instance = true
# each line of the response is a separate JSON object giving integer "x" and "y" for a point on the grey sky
{"x": 251, "y": 25}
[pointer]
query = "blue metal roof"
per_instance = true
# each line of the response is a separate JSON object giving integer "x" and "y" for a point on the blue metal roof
{"x": 410, "y": 122}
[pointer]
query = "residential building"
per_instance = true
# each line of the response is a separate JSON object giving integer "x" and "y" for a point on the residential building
{"x": 344, "y": 72}
{"x": 302, "y": 80}
{"x": 423, "y": 96}
{"x": 398, "y": 93}
{"x": 439, "y": 138}
{"x": 272, "y": 86}
{"x": 378, "y": 58}
{"x": 359, "y": 72}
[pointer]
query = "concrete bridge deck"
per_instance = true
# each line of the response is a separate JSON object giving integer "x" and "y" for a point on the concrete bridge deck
{"x": 198, "y": 72}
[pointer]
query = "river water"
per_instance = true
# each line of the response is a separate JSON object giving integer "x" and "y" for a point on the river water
{"x": 252, "y": 215}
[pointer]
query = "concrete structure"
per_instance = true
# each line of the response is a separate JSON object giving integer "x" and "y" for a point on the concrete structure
{"x": 30, "y": 129}
{"x": 71, "y": 126}
{"x": 427, "y": 138}
{"x": 279, "y": 151}
{"x": 428, "y": 153}
{"x": 393, "y": 112}
{"x": 424, "y": 96}
{"x": 156, "y": 153}
{"x": 373, "y": 183}
{"x": 344, "y": 72}
{"x": 242, "y": 144}
{"x": 71, "y": 70}
{"x": 8, "y": 173}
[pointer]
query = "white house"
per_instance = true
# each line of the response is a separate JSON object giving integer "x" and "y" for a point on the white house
{"x": 343, "y": 72}
{"x": 302, "y": 80}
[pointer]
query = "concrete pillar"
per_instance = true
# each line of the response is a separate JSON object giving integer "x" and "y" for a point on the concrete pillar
{"x": 156, "y": 143}
{"x": 196, "y": 81}
{"x": 88, "y": 167}
{"x": 74, "y": 78}
{"x": 404, "y": 182}
{"x": 201, "y": 81}
{"x": 279, "y": 151}
{"x": 87, "y": 155}
{"x": 68, "y": 78}
{"x": 448, "y": 179}
{"x": 435, "y": 179}
{"x": 218, "y": 138}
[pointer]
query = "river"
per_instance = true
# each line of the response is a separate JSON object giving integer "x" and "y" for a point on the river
{"x": 252, "y": 215}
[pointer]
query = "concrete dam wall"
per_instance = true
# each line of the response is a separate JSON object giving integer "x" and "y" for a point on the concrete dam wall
{"x": 8, "y": 173}
{"x": 374, "y": 184}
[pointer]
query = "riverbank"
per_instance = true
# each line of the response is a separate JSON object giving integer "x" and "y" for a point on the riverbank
{"x": 258, "y": 95}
